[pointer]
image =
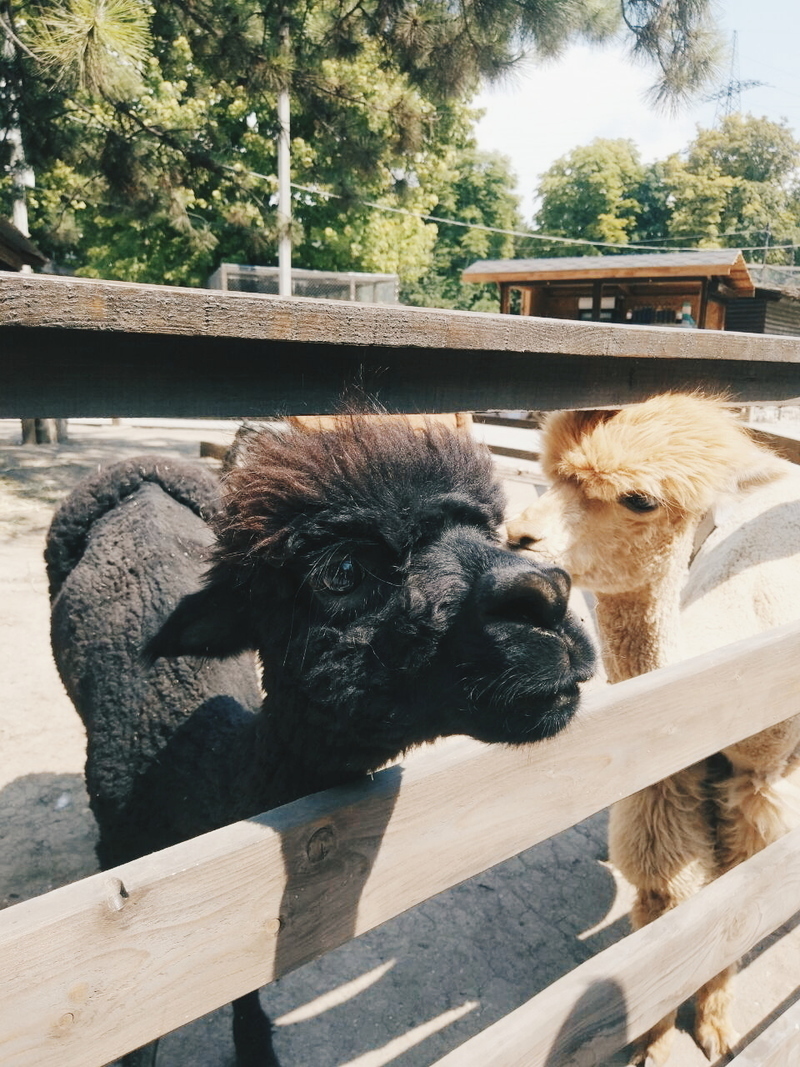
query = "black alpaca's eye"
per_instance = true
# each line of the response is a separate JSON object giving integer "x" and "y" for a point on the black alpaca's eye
{"x": 639, "y": 502}
{"x": 340, "y": 575}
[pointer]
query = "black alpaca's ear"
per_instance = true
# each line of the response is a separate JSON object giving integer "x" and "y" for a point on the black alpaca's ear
{"x": 209, "y": 623}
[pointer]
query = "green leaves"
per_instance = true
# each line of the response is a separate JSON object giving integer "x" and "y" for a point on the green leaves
{"x": 736, "y": 185}
{"x": 151, "y": 130}
{"x": 476, "y": 188}
{"x": 680, "y": 37}
{"x": 591, "y": 193}
{"x": 742, "y": 146}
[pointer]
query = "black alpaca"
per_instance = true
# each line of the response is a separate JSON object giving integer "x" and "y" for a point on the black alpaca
{"x": 363, "y": 565}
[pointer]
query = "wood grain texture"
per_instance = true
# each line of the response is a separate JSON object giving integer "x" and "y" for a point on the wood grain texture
{"x": 513, "y": 453}
{"x": 596, "y": 1009}
{"x": 185, "y": 930}
{"x": 777, "y": 1046}
{"x": 121, "y": 307}
{"x": 788, "y": 447}
{"x": 77, "y": 347}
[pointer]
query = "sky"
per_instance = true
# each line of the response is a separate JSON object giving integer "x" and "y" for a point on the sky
{"x": 548, "y": 109}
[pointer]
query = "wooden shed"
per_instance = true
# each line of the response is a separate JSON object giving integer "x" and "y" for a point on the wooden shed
{"x": 16, "y": 250}
{"x": 648, "y": 289}
{"x": 772, "y": 310}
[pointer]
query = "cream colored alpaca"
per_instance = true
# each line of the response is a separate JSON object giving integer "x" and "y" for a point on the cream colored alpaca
{"x": 632, "y": 494}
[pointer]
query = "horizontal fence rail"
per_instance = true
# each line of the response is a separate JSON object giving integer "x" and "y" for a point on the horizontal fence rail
{"x": 187, "y": 929}
{"x": 777, "y": 1046}
{"x": 78, "y": 347}
{"x": 606, "y": 1002}
{"x": 124, "y": 307}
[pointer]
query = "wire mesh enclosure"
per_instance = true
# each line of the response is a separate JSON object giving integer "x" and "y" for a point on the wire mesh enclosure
{"x": 322, "y": 284}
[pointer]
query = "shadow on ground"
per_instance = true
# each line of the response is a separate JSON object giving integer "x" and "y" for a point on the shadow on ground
{"x": 425, "y": 982}
{"x": 34, "y": 479}
{"x": 403, "y": 994}
{"x": 47, "y": 835}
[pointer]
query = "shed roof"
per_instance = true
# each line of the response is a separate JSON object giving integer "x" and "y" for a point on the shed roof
{"x": 16, "y": 249}
{"x": 725, "y": 263}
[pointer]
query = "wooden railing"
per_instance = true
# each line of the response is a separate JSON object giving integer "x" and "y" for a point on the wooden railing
{"x": 73, "y": 347}
{"x": 187, "y": 929}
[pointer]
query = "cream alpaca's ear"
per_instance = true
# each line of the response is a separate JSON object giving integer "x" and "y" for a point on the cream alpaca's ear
{"x": 562, "y": 431}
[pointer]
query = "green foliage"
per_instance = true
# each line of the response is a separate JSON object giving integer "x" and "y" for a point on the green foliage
{"x": 592, "y": 193}
{"x": 164, "y": 186}
{"x": 736, "y": 185}
{"x": 744, "y": 147}
{"x": 154, "y": 145}
{"x": 99, "y": 45}
{"x": 475, "y": 190}
{"x": 681, "y": 38}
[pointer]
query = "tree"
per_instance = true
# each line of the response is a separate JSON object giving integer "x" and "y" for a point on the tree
{"x": 153, "y": 145}
{"x": 737, "y": 186}
{"x": 475, "y": 189}
{"x": 591, "y": 193}
{"x": 747, "y": 148}
{"x": 679, "y": 36}
{"x": 444, "y": 48}
{"x": 654, "y": 198}
{"x": 159, "y": 187}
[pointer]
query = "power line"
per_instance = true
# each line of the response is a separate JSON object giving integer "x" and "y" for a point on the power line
{"x": 486, "y": 229}
{"x": 697, "y": 236}
{"x": 524, "y": 235}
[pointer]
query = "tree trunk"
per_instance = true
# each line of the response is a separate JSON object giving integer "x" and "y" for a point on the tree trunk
{"x": 43, "y": 431}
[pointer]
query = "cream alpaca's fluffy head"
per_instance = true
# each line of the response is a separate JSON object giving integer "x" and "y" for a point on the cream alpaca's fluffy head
{"x": 682, "y": 450}
{"x": 629, "y": 487}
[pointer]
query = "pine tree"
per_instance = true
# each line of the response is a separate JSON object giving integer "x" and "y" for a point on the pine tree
{"x": 153, "y": 141}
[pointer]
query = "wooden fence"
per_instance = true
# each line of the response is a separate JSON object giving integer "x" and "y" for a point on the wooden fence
{"x": 190, "y": 928}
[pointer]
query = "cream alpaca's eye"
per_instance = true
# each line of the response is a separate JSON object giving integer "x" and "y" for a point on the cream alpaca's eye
{"x": 339, "y": 576}
{"x": 639, "y": 502}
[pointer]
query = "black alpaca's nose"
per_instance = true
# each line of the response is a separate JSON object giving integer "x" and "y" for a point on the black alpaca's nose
{"x": 532, "y": 594}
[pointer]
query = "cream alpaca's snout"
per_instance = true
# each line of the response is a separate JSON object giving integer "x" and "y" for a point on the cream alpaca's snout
{"x": 541, "y": 530}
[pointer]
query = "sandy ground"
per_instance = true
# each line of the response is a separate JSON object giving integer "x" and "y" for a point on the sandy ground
{"x": 404, "y": 994}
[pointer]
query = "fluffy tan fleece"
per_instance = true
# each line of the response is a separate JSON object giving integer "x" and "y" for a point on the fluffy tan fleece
{"x": 661, "y": 594}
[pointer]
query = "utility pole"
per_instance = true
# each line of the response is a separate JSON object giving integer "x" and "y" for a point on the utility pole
{"x": 21, "y": 174}
{"x": 284, "y": 184}
{"x": 284, "y": 197}
{"x": 729, "y": 98}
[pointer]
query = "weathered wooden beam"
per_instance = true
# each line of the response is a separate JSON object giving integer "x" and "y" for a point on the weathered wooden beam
{"x": 76, "y": 347}
{"x": 513, "y": 453}
{"x": 788, "y": 447}
{"x": 99, "y": 967}
{"x": 777, "y": 1046}
{"x": 613, "y": 998}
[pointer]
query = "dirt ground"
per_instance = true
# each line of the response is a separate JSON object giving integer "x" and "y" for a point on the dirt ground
{"x": 404, "y": 994}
